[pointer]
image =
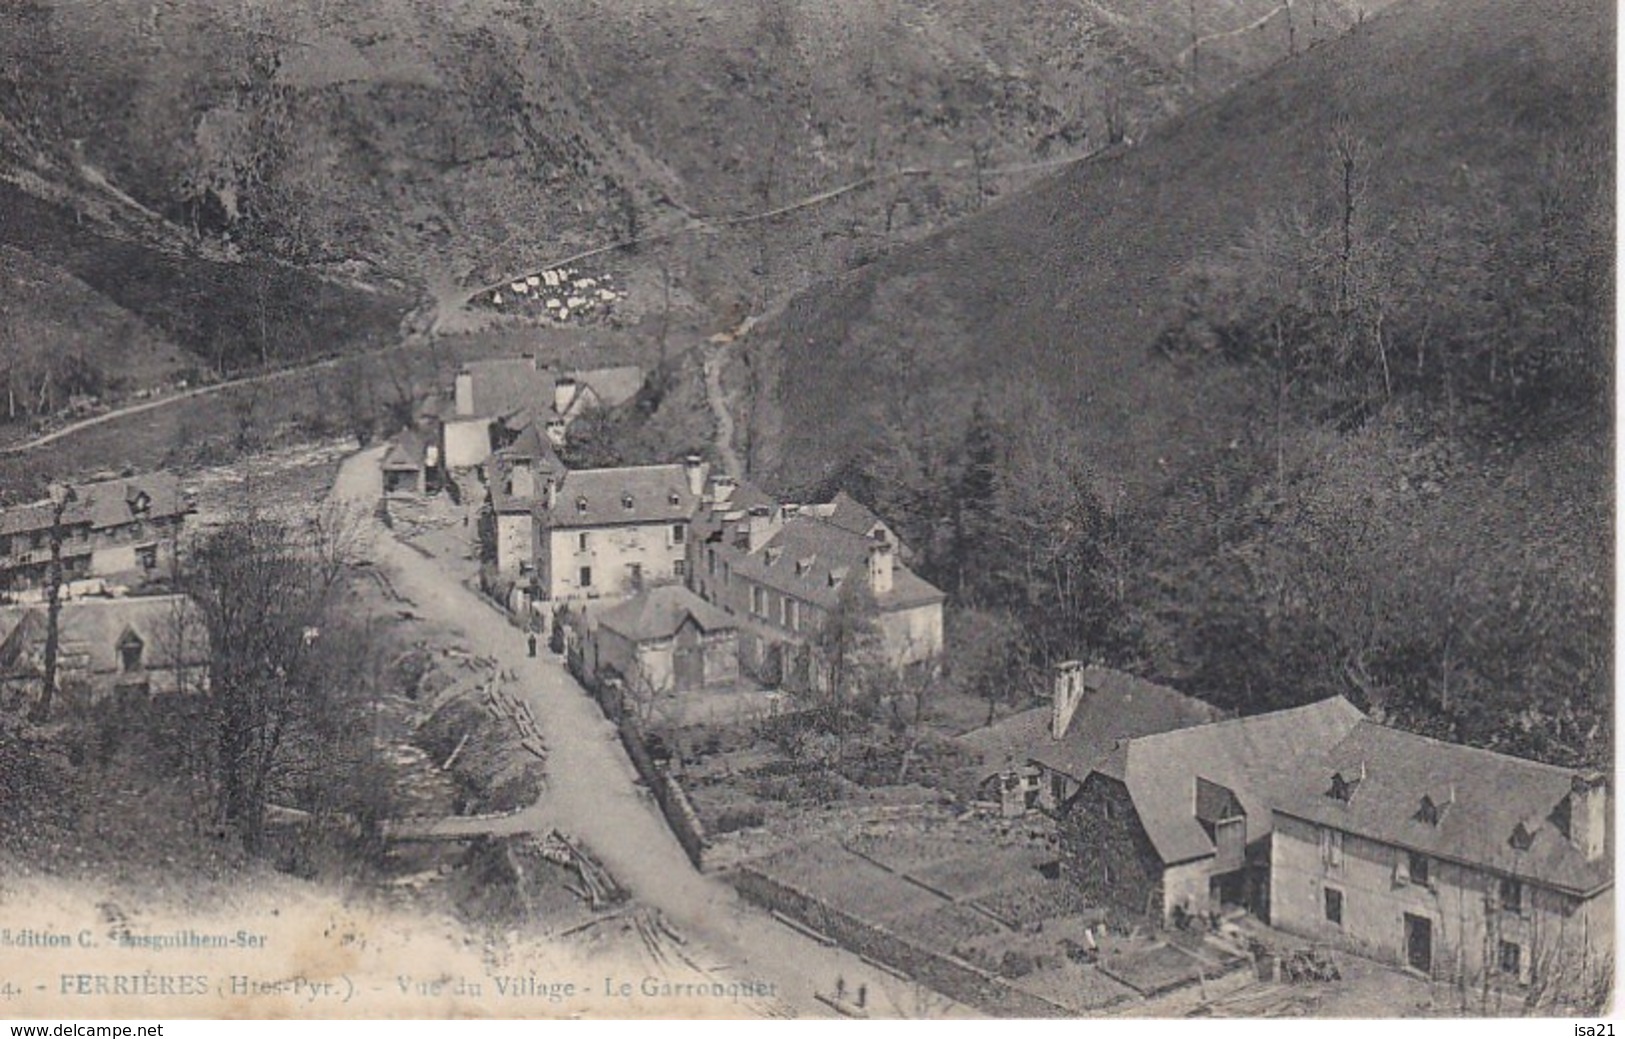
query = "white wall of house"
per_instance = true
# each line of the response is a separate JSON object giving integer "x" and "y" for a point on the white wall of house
{"x": 1186, "y": 885}
{"x": 467, "y": 442}
{"x": 515, "y": 537}
{"x": 609, "y": 554}
{"x": 913, "y": 635}
{"x": 1553, "y": 930}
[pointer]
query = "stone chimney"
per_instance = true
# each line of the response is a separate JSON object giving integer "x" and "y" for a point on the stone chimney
{"x": 882, "y": 565}
{"x": 694, "y": 469}
{"x": 564, "y": 392}
{"x": 463, "y": 393}
{"x": 1583, "y": 814}
{"x": 758, "y": 527}
{"x": 722, "y": 488}
{"x": 1069, "y": 693}
{"x": 524, "y": 479}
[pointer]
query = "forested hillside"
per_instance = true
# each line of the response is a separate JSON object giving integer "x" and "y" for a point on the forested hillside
{"x": 1306, "y": 392}
{"x": 366, "y": 156}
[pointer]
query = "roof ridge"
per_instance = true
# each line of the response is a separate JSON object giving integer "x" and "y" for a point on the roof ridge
{"x": 1469, "y": 749}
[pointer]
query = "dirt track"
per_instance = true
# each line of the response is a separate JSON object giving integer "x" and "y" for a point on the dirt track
{"x": 593, "y": 794}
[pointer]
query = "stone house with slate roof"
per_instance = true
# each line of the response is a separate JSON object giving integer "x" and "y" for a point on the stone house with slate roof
{"x": 141, "y": 645}
{"x": 780, "y": 568}
{"x": 1449, "y": 860}
{"x": 1181, "y": 821}
{"x": 603, "y": 533}
{"x": 494, "y": 399}
{"x": 114, "y": 528}
{"x": 666, "y": 637}
{"x": 1038, "y": 759}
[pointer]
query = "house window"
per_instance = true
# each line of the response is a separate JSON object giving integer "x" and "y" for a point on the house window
{"x": 793, "y": 610}
{"x": 1108, "y": 811}
{"x": 1511, "y": 895}
{"x": 679, "y": 568}
{"x": 784, "y": 611}
{"x": 1107, "y": 874}
{"x": 147, "y": 557}
{"x": 758, "y": 602}
{"x": 678, "y": 532}
{"x": 586, "y": 577}
{"x": 711, "y": 561}
{"x": 581, "y": 542}
{"x": 727, "y": 574}
{"x": 1331, "y": 849}
{"x": 129, "y": 654}
{"x": 1418, "y": 867}
{"x": 1334, "y": 906}
{"x": 1511, "y": 958}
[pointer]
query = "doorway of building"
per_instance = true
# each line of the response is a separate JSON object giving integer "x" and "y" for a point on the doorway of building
{"x": 1419, "y": 943}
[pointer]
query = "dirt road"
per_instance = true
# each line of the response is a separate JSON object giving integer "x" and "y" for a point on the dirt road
{"x": 592, "y": 793}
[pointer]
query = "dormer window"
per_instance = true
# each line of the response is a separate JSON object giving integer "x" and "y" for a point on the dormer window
{"x": 673, "y": 500}
{"x": 140, "y": 503}
{"x": 1431, "y": 811}
{"x": 130, "y": 648}
{"x": 626, "y": 502}
{"x": 581, "y": 504}
{"x": 1342, "y": 789}
{"x": 1522, "y": 837}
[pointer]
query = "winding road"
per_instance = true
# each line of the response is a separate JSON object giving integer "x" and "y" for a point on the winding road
{"x": 592, "y": 793}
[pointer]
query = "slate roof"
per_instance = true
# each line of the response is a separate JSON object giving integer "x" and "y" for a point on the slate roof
{"x": 597, "y": 497}
{"x": 1261, "y": 758}
{"x": 405, "y": 451}
{"x": 105, "y": 504}
{"x": 170, "y": 628}
{"x": 810, "y": 558}
{"x": 1117, "y": 706}
{"x": 1493, "y": 794}
{"x": 516, "y": 387}
{"x": 659, "y": 612}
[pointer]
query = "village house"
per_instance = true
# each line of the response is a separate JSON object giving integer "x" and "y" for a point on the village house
{"x": 1038, "y": 759}
{"x": 663, "y": 640}
{"x": 123, "y": 528}
{"x": 521, "y": 475}
{"x": 1450, "y": 860}
{"x": 408, "y": 464}
{"x": 1179, "y": 823}
{"x": 493, "y": 400}
{"x": 782, "y": 568}
{"x": 602, "y": 533}
{"x": 139, "y": 645}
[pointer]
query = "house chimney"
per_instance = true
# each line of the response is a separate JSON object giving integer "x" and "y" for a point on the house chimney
{"x": 722, "y": 488}
{"x": 758, "y": 527}
{"x": 1068, "y": 695}
{"x": 524, "y": 479}
{"x": 694, "y": 469}
{"x": 564, "y": 393}
{"x": 552, "y": 489}
{"x": 463, "y": 393}
{"x": 882, "y": 562}
{"x": 1587, "y": 814}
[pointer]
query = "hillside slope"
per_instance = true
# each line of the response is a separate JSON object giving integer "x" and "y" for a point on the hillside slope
{"x": 1307, "y": 393}
{"x": 447, "y": 146}
{"x": 1069, "y": 284}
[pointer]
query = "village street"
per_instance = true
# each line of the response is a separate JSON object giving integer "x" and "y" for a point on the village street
{"x": 593, "y": 795}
